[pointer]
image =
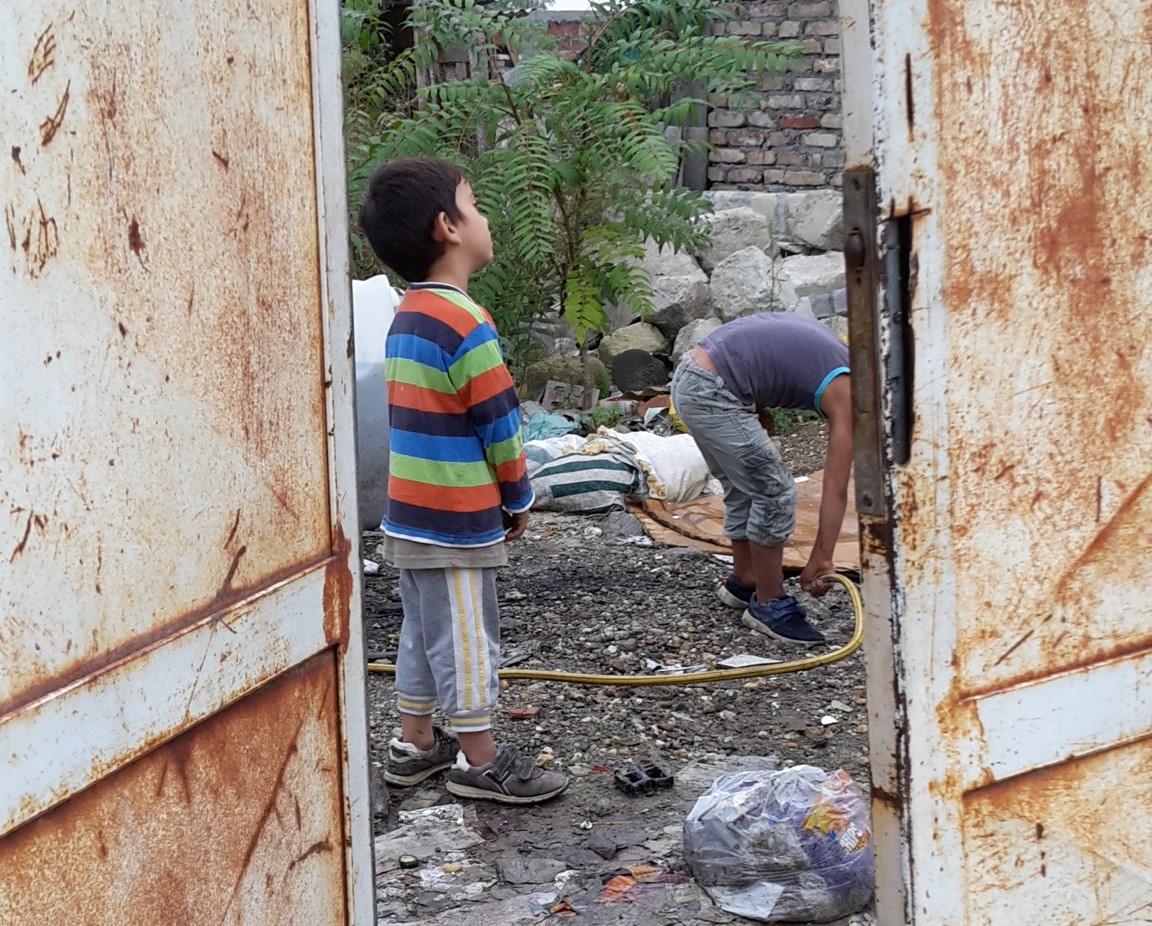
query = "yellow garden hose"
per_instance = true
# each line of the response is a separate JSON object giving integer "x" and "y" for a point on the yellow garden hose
{"x": 694, "y": 678}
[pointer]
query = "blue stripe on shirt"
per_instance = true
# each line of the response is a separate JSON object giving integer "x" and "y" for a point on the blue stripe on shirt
{"x": 437, "y": 448}
{"x": 415, "y": 348}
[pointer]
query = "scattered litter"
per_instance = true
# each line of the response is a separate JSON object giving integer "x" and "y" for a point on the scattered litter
{"x": 827, "y": 720}
{"x": 408, "y": 862}
{"x": 371, "y": 568}
{"x": 517, "y": 867}
{"x": 793, "y": 845}
{"x": 565, "y": 395}
{"x": 744, "y": 660}
{"x": 620, "y": 527}
{"x": 585, "y": 824}
{"x": 644, "y": 880}
{"x": 658, "y": 668}
{"x": 524, "y": 713}
{"x": 522, "y": 652}
{"x": 425, "y": 833}
{"x": 635, "y": 780}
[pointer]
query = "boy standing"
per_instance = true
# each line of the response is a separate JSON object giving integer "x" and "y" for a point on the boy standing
{"x": 457, "y": 487}
{"x": 720, "y": 390}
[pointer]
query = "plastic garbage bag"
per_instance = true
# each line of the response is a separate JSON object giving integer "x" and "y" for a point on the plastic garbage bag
{"x": 793, "y": 845}
{"x": 374, "y": 304}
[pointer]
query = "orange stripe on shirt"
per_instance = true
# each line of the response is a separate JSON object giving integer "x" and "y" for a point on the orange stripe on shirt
{"x": 406, "y": 395}
{"x": 483, "y": 387}
{"x": 468, "y": 499}
{"x": 427, "y": 302}
{"x": 512, "y": 471}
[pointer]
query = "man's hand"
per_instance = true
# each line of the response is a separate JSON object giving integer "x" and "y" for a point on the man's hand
{"x": 810, "y": 577}
{"x": 515, "y": 525}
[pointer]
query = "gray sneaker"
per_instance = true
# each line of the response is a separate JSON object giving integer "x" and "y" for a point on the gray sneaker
{"x": 510, "y": 778}
{"x": 407, "y": 765}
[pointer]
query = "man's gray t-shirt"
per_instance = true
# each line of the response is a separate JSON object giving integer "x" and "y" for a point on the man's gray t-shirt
{"x": 777, "y": 359}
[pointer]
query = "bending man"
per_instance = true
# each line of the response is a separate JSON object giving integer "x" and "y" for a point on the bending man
{"x": 720, "y": 391}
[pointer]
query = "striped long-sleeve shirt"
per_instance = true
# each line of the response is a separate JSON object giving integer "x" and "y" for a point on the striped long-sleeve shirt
{"x": 456, "y": 455}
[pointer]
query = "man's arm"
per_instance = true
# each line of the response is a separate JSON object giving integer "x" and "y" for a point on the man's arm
{"x": 836, "y": 404}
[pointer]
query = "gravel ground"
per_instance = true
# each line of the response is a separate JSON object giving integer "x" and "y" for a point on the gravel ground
{"x": 571, "y": 600}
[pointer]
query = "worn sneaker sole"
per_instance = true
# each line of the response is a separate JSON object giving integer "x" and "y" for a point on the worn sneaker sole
{"x": 752, "y": 624}
{"x": 729, "y": 599}
{"x": 484, "y": 794}
{"x": 406, "y": 781}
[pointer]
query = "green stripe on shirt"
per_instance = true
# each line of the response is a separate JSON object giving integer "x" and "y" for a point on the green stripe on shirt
{"x": 435, "y": 473}
{"x": 412, "y": 373}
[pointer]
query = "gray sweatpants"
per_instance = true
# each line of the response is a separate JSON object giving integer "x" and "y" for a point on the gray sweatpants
{"x": 759, "y": 491}
{"x": 449, "y": 646}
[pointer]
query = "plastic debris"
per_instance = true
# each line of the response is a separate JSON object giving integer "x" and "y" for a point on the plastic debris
{"x": 649, "y": 778}
{"x": 793, "y": 845}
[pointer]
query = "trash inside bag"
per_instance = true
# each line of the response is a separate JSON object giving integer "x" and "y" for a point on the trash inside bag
{"x": 787, "y": 846}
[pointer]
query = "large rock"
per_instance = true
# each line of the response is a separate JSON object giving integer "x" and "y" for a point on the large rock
{"x": 692, "y": 334}
{"x": 665, "y": 262}
{"x": 734, "y": 230}
{"x": 743, "y": 284}
{"x": 678, "y": 300}
{"x": 561, "y": 369}
{"x": 816, "y": 219}
{"x": 633, "y": 371}
{"x": 764, "y": 203}
{"x": 808, "y": 275}
{"x": 641, "y": 336}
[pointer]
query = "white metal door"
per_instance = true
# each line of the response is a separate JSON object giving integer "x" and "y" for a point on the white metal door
{"x": 1000, "y": 250}
{"x": 182, "y": 731}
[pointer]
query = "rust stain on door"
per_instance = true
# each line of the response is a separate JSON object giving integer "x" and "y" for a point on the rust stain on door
{"x": 1057, "y": 844}
{"x": 178, "y": 304}
{"x": 1047, "y": 283}
{"x": 236, "y": 821}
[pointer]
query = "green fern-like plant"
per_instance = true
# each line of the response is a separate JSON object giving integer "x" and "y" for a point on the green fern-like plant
{"x": 568, "y": 154}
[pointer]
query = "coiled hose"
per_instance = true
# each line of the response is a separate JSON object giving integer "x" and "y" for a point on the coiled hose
{"x": 694, "y": 678}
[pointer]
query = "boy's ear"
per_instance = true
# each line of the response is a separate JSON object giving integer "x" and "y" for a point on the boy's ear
{"x": 444, "y": 230}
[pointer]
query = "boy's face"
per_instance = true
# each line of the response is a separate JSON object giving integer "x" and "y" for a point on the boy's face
{"x": 476, "y": 240}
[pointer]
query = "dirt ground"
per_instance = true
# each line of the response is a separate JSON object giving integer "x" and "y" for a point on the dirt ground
{"x": 571, "y": 600}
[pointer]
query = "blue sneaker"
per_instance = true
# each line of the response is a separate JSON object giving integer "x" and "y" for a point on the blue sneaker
{"x": 783, "y": 619}
{"x": 735, "y": 593}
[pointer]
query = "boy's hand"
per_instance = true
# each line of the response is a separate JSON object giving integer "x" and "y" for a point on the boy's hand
{"x": 515, "y": 525}
{"x": 810, "y": 577}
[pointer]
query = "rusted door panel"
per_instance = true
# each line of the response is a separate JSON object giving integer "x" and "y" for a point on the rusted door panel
{"x": 55, "y": 747}
{"x": 177, "y": 482}
{"x": 1043, "y": 208}
{"x": 1064, "y": 843}
{"x": 160, "y": 287}
{"x": 235, "y": 821}
{"x": 1010, "y": 627}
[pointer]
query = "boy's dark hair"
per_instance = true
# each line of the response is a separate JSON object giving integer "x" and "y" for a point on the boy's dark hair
{"x": 401, "y": 204}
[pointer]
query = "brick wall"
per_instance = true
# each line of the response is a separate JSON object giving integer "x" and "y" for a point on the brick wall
{"x": 788, "y": 134}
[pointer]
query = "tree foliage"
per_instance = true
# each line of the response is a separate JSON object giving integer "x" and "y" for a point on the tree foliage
{"x": 569, "y": 154}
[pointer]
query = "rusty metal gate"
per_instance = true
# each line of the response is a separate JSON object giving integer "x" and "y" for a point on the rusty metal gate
{"x": 182, "y": 730}
{"x": 1000, "y": 269}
